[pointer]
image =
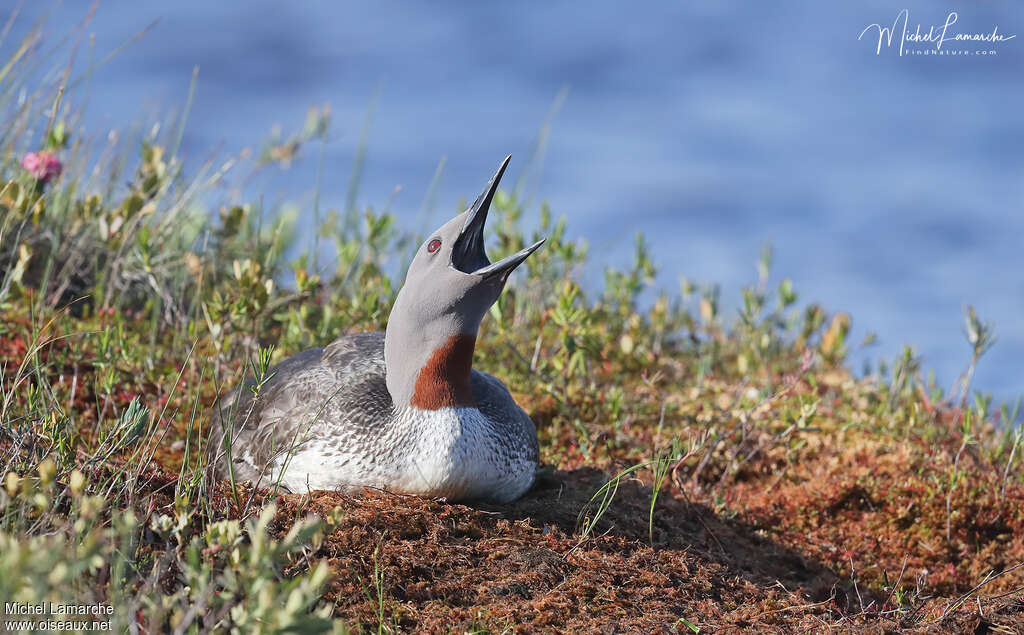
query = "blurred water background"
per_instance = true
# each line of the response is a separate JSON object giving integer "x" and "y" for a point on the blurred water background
{"x": 890, "y": 187}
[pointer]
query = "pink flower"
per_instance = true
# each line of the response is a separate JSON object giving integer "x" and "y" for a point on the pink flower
{"x": 42, "y": 165}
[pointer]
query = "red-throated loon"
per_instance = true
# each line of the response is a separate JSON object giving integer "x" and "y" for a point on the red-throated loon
{"x": 402, "y": 410}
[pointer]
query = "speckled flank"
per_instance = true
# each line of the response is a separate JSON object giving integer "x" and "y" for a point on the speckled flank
{"x": 444, "y": 380}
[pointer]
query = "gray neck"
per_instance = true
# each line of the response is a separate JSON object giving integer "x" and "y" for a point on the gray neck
{"x": 428, "y": 365}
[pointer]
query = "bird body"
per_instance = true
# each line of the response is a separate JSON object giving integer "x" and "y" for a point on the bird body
{"x": 402, "y": 411}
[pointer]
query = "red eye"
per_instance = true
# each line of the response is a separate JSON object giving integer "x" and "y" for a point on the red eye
{"x": 433, "y": 245}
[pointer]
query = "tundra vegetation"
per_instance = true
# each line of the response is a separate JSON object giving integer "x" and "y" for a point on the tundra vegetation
{"x": 701, "y": 470}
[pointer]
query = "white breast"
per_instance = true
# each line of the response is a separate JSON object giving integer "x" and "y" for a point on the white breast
{"x": 452, "y": 453}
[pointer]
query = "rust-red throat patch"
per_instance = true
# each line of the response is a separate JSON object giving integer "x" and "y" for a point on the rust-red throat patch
{"x": 444, "y": 380}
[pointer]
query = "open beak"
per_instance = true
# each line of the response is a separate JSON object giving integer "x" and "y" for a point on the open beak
{"x": 468, "y": 254}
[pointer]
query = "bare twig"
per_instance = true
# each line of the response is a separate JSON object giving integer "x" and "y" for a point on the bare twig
{"x": 856, "y": 588}
{"x": 960, "y": 601}
{"x": 898, "y": 580}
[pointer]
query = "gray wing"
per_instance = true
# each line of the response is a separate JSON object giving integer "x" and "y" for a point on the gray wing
{"x": 316, "y": 386}
{"x": 496, "y": 403}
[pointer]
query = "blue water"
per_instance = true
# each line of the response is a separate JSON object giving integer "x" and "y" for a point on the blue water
{"x": 889, "y": 186}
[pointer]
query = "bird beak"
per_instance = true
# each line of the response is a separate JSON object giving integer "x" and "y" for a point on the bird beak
{"x": 505, "y": 266}
{"x": 468, "y": 254}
